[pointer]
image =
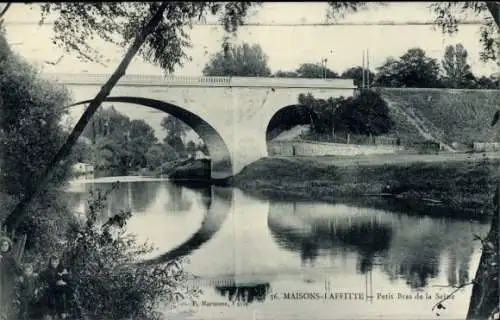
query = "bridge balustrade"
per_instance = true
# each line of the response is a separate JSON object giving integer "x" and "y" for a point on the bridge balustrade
{"x": 187, "y": 81}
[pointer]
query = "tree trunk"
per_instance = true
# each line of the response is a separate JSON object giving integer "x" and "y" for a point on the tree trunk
{"x": 485, "y": 292}
{"x": 19, "y": 211}
{"x": 484, "y": 298}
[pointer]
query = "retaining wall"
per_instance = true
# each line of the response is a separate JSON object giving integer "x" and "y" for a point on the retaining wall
{"x": 303, "y": 148}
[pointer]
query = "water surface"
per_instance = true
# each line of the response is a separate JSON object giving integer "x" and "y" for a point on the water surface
{"x": 274, "y": 259}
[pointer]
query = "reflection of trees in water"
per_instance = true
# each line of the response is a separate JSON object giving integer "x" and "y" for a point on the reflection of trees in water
{"x": 459, "y": 262}
{"x": 419, "y": 245}
{"x": 414, "y": 256}
{"x": 176, "y": 201}
{"x": 410, "y": 247}
{"x": 144, "y": 193}
{"x": 246, "y": 294}
{"x": 368, "y": 238}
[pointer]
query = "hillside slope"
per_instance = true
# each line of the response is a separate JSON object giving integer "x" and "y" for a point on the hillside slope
{"x": 444, "y": 115}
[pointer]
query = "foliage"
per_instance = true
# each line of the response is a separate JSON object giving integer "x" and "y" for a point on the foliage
{"x": 312, "y": 70}
{"x": 141, "y": 139}
{"x": 356, "y": 73}
{"x": 321, "y": 112}
{"x": 308, "y": 70}
{"x": 457, "y": 71}
{"x": 107, "y": 277}
{"x": 174, "y": 127}
{"x": 119, "y": 143}
{"x": 338, "y": 9}
{"x": 176, "y": 131}
{"x": 169, "y": 153}
{"x": 78, "y": 23}
{"x": 154, "y": 156}
{"x": 82, "y": 151}
{"x": 30, "y": 133}
{"x": 413, "y": 69}
{"x": 449, "y": 13}
{"x": 285, "y": 74}
{"x": 241, "y": 61}
{"x": 490, "y": 82}
{"x": 366, "y": 114}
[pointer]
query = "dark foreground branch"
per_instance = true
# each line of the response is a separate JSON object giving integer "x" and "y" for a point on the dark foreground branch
{"x": 5, "y": 9}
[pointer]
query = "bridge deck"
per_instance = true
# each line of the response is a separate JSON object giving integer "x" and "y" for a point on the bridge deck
{"x": 192, "y": 81}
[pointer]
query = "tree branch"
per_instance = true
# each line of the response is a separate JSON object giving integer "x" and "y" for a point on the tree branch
{"x": 494, "y": 9}
{"x": 15, "y": 217}
{"x": 4, "y": 11}
{"x": 451, "y": 294}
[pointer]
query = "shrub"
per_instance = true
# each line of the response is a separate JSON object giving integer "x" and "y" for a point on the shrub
{"x": 109, "y": 280}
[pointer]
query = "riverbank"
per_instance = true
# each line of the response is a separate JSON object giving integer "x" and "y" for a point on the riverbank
{"x": 442, "y": 186}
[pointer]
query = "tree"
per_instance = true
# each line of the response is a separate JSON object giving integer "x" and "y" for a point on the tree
{"x": 174, "y": 127}
{"x": 366, "y": 114}
{"x": 285, "y": 74}
{"x": 120, "y": 144}
{"x": 31, "y": 132}
{"x": 141, "y": 139}
{"x": 388, "y": 74}
{"x": 490, "y": 82}
{"x": 447, "y": 17}
{"x": 312, "y": 70}
{"x": 154, "y": 156}
{"x": 356, "y": 73}
{"x": 457, "y": 72}
{"x": 241, "y": 61}
{"x": 413, "y": 69}
{"x": 176, "y": 131}
{"x": 320, "y": 112}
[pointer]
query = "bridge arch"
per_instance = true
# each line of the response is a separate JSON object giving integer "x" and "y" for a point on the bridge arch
{"x": 220, "y": 155}
{"x": 286, "y": 118}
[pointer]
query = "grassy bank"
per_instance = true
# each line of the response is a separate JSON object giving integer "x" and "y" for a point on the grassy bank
{"x": 461, "y": 188}
{"x": 451, "y": 115}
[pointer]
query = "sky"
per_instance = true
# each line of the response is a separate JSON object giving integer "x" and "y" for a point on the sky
{"x": 286, "y": 46}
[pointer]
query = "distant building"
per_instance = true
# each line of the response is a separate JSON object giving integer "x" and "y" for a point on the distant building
{"x": 81, "y": 168}
{"x": 199, "y": 155}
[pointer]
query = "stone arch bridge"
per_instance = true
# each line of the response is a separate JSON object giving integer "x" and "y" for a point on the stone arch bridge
{"x": 230, "y": 114}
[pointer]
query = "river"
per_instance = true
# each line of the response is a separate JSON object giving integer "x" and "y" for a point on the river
{"x": 282, "y": 259}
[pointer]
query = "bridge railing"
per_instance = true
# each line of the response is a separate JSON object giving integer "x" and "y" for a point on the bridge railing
{"x": 187, "y": 81}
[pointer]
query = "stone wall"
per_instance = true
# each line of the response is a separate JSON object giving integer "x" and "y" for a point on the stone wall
{"x": 309, "y": 148}
{"x": 486, "y": 146}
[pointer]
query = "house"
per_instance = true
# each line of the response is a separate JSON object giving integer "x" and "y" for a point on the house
{"x": 81, "y": 168}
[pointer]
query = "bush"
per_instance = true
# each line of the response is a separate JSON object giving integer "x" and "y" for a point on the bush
{"x": 30, "y": 135}
{"x": 108, "y": 278}
{"x": 365, "y": 114}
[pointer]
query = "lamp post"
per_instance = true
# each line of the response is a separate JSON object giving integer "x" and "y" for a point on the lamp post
{"x": 323, "y": 64}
